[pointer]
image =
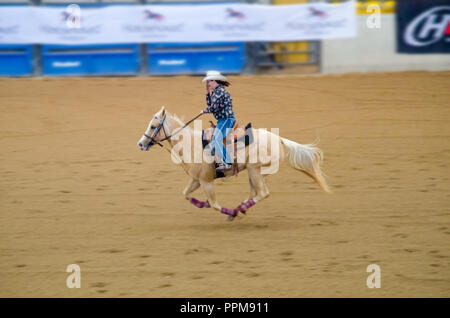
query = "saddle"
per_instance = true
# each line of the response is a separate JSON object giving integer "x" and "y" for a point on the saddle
{"x": 241, "y": 135}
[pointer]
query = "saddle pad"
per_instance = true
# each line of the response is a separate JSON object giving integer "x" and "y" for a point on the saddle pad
{"x": 241, "y": 136}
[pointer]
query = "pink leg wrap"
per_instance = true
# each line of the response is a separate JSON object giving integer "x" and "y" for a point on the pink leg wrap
{"x": 199, "y": 204}
{"x": 229, "y": 212}
{"x": 244, "y": 206}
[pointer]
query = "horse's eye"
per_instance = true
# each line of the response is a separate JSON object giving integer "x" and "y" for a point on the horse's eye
{"x": 152, "y": 127}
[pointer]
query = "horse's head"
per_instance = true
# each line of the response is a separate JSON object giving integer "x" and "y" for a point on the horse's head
{"x": 154, "y": 132}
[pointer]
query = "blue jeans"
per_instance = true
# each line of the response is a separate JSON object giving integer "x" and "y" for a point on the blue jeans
{"x": 223, "y": 127}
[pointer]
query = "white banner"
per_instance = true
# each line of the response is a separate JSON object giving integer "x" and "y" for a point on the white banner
{"x": 176, "y": 23}
{"x": 17, "y": 25}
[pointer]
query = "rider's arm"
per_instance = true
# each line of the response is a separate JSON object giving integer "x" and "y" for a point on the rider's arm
{"x": 208, "y": 103}
{"x": 213, "y": 101}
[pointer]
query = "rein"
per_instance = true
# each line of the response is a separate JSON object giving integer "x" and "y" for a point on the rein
{"x": 185, "y": 125}
{"x": 161, "y": 125}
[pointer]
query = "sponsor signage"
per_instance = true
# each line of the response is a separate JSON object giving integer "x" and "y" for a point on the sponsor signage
{"x": 423, "y": 26}
{"x": 176, "y": 23}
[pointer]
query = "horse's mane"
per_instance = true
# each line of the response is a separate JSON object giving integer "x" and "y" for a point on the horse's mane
{"x": 178, "y": 120}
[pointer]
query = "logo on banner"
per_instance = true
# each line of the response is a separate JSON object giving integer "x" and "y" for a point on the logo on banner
{"x": 68, "y": 25}
{"x": 153, "y": 25}
{"x": 313, "y": 12}
{"x": 318, "y": 22}
{"x": 72, "y": 16}
{"x": 231, "y": 13}
{"x": 234, "y": 24}
{"x": 150, "y": 15}
{"x": 429, "y": 27}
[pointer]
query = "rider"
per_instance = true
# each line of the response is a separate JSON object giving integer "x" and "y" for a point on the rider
{"x": 219, "y": 103}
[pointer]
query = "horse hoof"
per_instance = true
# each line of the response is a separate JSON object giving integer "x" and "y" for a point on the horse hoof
{"x": 230, "y": 218}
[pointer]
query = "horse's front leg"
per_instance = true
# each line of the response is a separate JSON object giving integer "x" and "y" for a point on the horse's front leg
{"x": 191, "y": 187}
{"x": 259, "y": 189}
{"x": 208, "y": 187}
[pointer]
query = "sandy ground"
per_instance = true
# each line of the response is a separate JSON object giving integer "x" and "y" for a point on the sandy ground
{"x": 75, "y": 189}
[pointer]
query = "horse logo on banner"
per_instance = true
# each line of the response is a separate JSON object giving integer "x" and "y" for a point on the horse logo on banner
{"x": 231, "y": 13}
{"x": 150, "y": 15}
{"x": 313, "y": 12}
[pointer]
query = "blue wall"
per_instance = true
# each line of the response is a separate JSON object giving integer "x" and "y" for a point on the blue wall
{"x": 90, "y": 59}
{"x": 195, "y": 58}
{"x": 16, "y": 60}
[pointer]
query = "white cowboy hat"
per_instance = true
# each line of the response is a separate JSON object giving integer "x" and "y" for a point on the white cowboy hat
{"x": 215, "y": 76}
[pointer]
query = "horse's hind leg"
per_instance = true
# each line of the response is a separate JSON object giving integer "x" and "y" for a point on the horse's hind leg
{"x": 208, "y": 187}
{"x": 253, "y": 189}
{"x": 265, "y": 185}
{"x": 257, "y": 183}
{"x": 191, "y": 187}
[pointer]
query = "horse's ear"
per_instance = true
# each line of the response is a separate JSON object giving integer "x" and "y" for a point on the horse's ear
{"x": 163, "y": 111}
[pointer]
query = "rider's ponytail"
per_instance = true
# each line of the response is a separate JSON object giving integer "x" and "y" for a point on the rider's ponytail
{"x": 224, "y": 83}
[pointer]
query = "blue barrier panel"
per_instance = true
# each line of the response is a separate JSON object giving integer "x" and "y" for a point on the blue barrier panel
{"x": 179, "y": 58}
{"x": 16, "y": 60}
{"x": 111, "y": 59}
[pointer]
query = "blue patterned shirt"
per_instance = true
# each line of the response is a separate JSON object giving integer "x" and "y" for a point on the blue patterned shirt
{"x": 220, "y": 103}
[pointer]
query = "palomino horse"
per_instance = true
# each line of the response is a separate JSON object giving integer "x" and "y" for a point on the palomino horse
{"x": 167, "y": 127}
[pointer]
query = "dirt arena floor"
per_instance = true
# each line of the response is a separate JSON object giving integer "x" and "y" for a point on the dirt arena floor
{"x": 75, "y": 189}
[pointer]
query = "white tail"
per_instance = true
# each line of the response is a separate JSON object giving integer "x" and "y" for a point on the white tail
{"x": 306, "y": 158}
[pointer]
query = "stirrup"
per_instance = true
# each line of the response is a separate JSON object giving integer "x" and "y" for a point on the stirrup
{"x": 223, "y": 166}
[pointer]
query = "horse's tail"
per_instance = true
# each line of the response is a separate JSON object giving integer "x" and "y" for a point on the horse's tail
{"x": 306, "y": 158}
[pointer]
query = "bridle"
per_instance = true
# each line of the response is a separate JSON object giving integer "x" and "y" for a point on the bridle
{"x": 167, "y": 137}
{"x": 156, "y": 131}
